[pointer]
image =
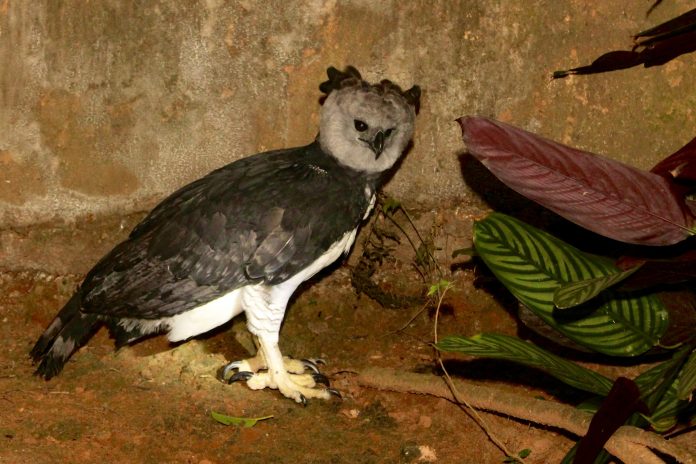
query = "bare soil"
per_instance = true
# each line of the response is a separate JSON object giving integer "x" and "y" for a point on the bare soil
{"x": 151, "y": 402}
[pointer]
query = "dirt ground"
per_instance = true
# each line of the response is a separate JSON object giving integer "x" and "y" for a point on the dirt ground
{"x": 151, "y": 402}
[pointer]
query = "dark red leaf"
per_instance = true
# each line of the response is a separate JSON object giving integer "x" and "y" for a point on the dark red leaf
{"x": 602, "y": 195}
{"x": 672, "y": 26}
{"x": 681, "y": 307}
{"x": 678, "y": 300}
{"x": 680, "y": 165}
{"x": 622, "y": 401}
{"x": 654, "y": 47}
{"x": 652, "y": 7}
{"x": 667, "y": 49}
{"x": 653, "y": 272}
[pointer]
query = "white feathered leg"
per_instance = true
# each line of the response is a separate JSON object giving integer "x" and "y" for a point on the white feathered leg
{"x": 265, "y": 308}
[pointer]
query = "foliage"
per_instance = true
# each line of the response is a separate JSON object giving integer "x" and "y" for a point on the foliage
{"x": 599, "y": 194}
{"x": 652, "y": 47}
{"x": 513, "y": 349}
{"x": 620, "y": 307}
{"x": 516, "y": 459}
{"x": 533, "y": 265}
{"x": 238, "y": 421}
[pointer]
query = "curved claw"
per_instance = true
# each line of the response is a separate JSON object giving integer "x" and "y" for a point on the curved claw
{"x": 233, "y": 365}
{"x": 335, "y": 393}
{"x": 303, "y": 400}
{"x": 224, "y": 371}
{"x": 315, "y": 361}
{"x": 320, "y": 378}
{"x": 242, "y": 375}
{"x": 311, "y": 365}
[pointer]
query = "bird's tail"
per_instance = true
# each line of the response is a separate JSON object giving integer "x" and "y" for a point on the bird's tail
{"x": 68, "y": 331}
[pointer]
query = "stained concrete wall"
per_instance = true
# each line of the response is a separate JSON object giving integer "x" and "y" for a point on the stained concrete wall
{"x": 105, "y": 106}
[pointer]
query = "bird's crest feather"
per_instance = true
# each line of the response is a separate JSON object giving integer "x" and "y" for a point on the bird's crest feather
{"x": 351, "y": 77}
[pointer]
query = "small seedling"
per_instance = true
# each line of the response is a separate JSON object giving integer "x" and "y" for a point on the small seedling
{"x": 238, "y": 421}
{"x": 517, "y": 459}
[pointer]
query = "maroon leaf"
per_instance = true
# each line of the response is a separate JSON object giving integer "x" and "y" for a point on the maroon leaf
{"x": 680, "y": 169}
{"x": 653, "y": 272}
{"x": 681, "y": 307}
{"x": 622, "y": 401}
{"x": 652, "y": 7}
{"x": 677, "y": 25}
{"x": 655, "y": 54}
{"x": 657, "y": 45}
{"x": 602, "y": 195}
{"x": 681, "y": 165}
{"x": 667, "y": 49}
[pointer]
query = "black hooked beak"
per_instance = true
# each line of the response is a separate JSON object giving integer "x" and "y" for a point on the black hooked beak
{"x": 377, "y": 144}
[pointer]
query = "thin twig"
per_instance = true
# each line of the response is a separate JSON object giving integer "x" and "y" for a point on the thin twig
{"x": 403, "y": 231}
{"x": 459, "y": 399}
{"x": 418, "y": 313}
{"x": 427, "y": 250}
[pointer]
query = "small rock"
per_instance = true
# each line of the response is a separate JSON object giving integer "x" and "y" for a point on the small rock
{"x": 427, "y": 454}
{"x": 350, "y": 413}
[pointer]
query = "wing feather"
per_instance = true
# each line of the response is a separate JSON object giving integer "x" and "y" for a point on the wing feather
{"x": 263, "y": 218}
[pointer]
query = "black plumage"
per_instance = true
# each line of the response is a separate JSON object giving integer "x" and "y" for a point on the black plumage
{"x": 263, "y": 218}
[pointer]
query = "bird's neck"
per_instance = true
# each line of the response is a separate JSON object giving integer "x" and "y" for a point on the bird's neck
{"x": 323, "y": 159}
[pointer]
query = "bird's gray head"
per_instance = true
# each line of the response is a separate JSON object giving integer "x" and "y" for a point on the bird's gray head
{"x": 366, "y": 126}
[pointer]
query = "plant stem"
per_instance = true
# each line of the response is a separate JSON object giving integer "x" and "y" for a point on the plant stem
{"x": 459, "y": 399}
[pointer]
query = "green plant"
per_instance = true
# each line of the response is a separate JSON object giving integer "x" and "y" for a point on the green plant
{"x": 245, "y": 422}
{"x": 624, "y": 307}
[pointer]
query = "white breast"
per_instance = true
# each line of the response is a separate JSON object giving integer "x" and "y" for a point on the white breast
{"x": 263, "y": 304}
{"x": 205, "y": 317}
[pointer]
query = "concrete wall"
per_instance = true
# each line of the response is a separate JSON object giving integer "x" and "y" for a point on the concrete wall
{"x": 106, "y": 106}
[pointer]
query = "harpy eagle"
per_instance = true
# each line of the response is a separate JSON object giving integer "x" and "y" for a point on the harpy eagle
{"x": 243, "y": 238}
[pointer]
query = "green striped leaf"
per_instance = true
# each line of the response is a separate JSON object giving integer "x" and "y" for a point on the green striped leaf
{"x": 533, "y": 265}
{"x": 687, "y": 378}
{"x": 576, "y": 293}
{"x": 659, "y": 388}
{"x": 663, "y": 386}
{"x": 656, "y": 381}
{"x": 665, "y": 415}
{"x": 516, "y": 350}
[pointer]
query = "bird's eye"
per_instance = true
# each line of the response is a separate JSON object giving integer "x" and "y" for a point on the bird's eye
{"x": 388, "y": 132}
{"x": 360, "y": 126}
